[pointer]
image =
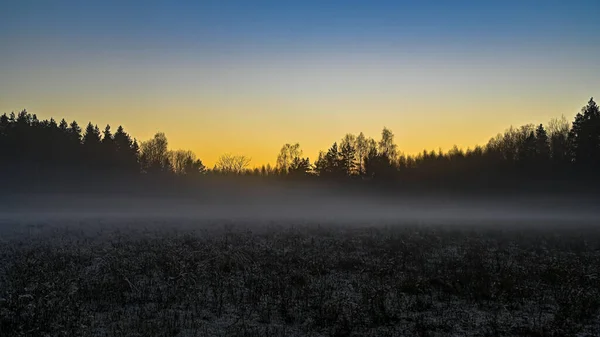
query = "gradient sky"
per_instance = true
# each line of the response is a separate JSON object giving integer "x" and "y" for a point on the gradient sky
{"x": 248, "y": 76}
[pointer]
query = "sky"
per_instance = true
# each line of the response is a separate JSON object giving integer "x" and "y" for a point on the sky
{"x": 246, "y": 77}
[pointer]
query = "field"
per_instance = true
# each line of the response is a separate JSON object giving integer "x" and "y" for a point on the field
{"x": 137, "y": 278}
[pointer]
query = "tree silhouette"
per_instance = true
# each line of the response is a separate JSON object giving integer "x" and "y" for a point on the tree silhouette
{"x": 75, "y": 133}
{"x": 287, "y": 155}
{"x": 584, "y": 137}
{"x": 126, "y": 152}
{"x": 108, "y": 150}
{"x": 347, "y": 155}
{"x": 154, "y": 154}
{"x": 329, "y": 165}
{"x": 300, "y": 167}
{"x": 542, "y": 144}
{"x": 232, "y": 164}
{"x": 387, "y": 147}
{"x": 559, "y": 146}
{"x": 380, "y": 159}
{"x": 91, "y": 139}
{"x": 184, "y": 162}
{"x": 361, "y": 152}
{"x": 34, "y": 150}
{"x": 91, "y": 147}
{"x": 526, "y": 148}
{"x": 379, "y": 166}
{"x": 5, "y": 145}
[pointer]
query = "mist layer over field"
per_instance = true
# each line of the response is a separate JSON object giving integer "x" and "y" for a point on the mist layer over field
{"x": 299, "y": 204}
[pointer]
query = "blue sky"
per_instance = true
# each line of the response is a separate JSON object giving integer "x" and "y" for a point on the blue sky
{"x": 278, "y": 71}
{"x": 299, "y": 23}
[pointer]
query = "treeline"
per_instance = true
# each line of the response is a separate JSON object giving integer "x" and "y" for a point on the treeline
{"x": 560, "y": 152}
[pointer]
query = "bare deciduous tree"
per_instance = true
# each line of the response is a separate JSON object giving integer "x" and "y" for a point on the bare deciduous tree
{"x": 184, "y": 162}
{"x": 230, "y": 163}
{"x": 558, "y": 132}
{"x": 361, "y": 151}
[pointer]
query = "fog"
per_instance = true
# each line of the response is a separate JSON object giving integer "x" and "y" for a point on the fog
{"x": 299, "y": 204}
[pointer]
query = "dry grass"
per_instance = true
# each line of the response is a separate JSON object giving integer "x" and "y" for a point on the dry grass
{"x": 302, "y": 280}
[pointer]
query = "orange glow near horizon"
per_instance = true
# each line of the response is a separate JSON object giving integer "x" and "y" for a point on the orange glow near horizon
{"x": 212, "y": 91}
{"x": 258, "y": 130}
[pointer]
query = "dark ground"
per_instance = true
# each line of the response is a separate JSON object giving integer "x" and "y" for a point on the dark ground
{"x": 187, "y": 277}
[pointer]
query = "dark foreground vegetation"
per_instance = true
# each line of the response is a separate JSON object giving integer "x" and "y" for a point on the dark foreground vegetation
{"x": 304, "y": 280}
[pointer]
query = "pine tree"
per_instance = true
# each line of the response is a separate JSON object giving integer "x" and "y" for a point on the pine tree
{"x": 133, "y": 158}
{"x": 122, "y": 140}
{"x": 62, "y": 145}
{"x": 52, "y": 124}
{"x": 126, "y": 151}
{"x": 329, "y": 164}
{"x": 299, "y": 167}
{"x": 91, "y": 138}
{"x": 91, "y": 147}
{"x": 320, "y": 165}
{"x": 542, "y": 144}
{"x": 333, "y": 160}
{"x": 107, "y": 137}
{"x": 527, "y": 150}
{"x": 4, "y": 124}
{"x": 63, "y": 126}
{"x": 108, "y": 149}
{"x": 4, "y": 143}
{"x": 584, "y": 137}
{"x": 75, "y": 132}
{"x": 347, "y": 158}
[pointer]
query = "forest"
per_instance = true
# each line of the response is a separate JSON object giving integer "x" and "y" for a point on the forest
{"x": 558, "y": 155}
